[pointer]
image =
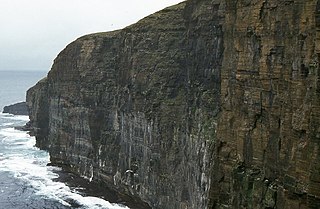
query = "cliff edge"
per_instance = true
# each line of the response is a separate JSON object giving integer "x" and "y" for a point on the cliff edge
{"x": 205, "y": 104}
{"x": 136, "y": 108}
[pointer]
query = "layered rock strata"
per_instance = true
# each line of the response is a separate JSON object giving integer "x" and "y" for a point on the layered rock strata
{"x": 136, "y": 108}
{"x": 205, "y": 104}
{"x": 268, "y": 133}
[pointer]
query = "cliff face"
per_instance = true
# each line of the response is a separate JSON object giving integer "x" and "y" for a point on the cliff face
{"x": 268, "y": 132}
{"x": 206, "y": 104}
{"x": 37, "y": 102}
{"x": 137, "y": 108}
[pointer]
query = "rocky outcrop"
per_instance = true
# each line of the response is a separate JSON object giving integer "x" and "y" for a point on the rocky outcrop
{"x": 205, "y": 104}
{"x": 17, "y": 109}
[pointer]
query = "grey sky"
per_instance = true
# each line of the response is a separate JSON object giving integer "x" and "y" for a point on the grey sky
{"x": 33, "y": 32}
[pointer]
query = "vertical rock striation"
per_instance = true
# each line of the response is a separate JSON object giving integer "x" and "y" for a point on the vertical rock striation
{"x": 205, "y": 104}
{"x": 268, "y": 133}
{"x": 136, "y": 108}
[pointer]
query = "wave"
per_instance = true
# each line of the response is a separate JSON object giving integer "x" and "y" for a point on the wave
{"x": 27, "y": 163}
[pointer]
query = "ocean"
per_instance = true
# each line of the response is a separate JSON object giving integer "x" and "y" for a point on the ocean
{"x": 25, "y": 179}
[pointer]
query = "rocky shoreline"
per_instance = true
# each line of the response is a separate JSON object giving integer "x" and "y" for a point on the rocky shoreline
{"x": 96, "y": 189}
{"x": 74, "y": 181}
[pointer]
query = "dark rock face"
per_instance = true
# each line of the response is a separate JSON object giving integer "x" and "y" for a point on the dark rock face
{"x": 20, "y": 108}
{"x": 37, "y": 101}
{"x": 268, "y": 130}
{"x": 137, "y": 108}
{"x": 206, "y": 104}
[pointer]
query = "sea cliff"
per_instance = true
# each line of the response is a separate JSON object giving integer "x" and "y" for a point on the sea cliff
{"x": 16, "y": 109}
{"x": 205, "y": 104}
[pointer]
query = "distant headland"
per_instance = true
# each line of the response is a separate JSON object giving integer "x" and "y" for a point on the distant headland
{"x": 16, "y": 109}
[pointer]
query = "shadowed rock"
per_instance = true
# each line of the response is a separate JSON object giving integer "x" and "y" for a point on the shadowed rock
{"x": 17, "y": 109}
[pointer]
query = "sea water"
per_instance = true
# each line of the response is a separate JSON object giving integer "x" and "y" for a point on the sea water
{"x": 25, "y": 179}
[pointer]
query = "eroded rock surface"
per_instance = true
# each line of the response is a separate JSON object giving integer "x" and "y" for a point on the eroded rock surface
{"x": 137, "y": 108}
{"x": 268, "y": 133}
{"x": 205, "y": 104}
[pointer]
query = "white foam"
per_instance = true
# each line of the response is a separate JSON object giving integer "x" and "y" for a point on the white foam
{"x": 21, "y": 117}
{"x": 14, "y": 133}
{"x": 14, "y": 117}
{"x": 5, "y": 114}
{"x": 40, "y": 177}
{"x": 20, "y": 157}
{"x": 7, "y": 124}
{"x": 17, "y": 137}
{"x": 95, "y": 203}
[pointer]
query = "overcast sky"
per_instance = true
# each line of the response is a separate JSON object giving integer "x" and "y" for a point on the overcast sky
{"x": 33, "y": 32}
